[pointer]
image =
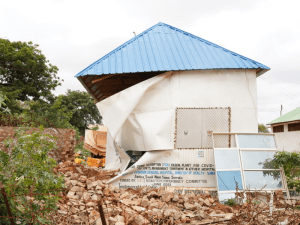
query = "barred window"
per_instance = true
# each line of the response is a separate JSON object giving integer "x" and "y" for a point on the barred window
{"x": 293, "y": 126}
{"x": 277, "y": 129}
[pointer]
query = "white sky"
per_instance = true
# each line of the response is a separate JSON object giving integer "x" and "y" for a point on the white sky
{"x": 72, "y": 34}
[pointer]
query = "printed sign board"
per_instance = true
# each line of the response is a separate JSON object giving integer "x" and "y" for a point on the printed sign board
{"x": 170, "y": 168}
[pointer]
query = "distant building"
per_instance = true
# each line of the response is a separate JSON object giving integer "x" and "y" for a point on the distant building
{"x": 287, "y": 129}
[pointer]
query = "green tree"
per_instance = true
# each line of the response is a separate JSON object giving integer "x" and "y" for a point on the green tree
{"x": 262, "y": 128}
{"x": 83, "y": 108}
{"x": 25, "y": 73}
{"x": 3, "y": 108}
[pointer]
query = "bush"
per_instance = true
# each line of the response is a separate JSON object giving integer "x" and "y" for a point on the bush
{"x": 290, "y": 162}
{"x": 230, "y": 202}
{"x": 27, "y": 174}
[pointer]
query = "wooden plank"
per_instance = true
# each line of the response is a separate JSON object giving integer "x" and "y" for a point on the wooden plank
{"x": 102, "y": 78}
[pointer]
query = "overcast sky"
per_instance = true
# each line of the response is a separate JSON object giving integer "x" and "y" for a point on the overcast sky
{"x": 72, "y": 34}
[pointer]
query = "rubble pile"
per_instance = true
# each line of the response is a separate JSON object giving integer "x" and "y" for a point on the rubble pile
{"x": 87, "y": 187}
{"x": 88, "y": 191}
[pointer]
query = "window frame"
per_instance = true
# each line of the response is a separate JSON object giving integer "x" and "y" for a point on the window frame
{"x": 242, "y": 169}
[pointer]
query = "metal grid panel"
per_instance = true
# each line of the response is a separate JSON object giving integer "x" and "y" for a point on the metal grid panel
{"x": 194, "y": 126}
{"x": 224, "y": 141}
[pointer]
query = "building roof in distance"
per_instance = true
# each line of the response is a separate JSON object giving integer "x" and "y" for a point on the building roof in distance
{"x": 288, "y": 117}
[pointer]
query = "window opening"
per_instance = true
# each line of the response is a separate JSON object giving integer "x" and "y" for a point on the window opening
{"x": 277, "y": 129}
{"x": 294, "y": 127}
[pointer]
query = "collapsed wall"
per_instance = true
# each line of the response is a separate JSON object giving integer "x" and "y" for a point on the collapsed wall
{"x": 65, "y": 141}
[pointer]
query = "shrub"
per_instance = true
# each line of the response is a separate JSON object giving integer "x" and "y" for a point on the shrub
{"x": 27, "y": 174}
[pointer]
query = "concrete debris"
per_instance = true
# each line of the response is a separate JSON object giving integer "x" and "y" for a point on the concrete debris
{"x": 142, "y": 206}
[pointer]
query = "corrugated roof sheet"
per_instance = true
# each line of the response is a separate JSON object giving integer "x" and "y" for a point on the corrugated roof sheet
{"x": 166, "y": 48}
{"x": 290, "y": 116}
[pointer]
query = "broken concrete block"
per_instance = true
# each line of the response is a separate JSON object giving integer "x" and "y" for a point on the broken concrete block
{"x": 189, "y": 206}
{"x": 175, "y": 198}
{"x": 96, "y": 197}
{"x": 144, "y": 203}
{"x": 125, "y": 195}
{"x": 74, "y": 182}
{"x": 76, "y": 188}
{"x": 87, "y": 195}
{"x": 98, "y": 188}
{"x": 140, "y": 220}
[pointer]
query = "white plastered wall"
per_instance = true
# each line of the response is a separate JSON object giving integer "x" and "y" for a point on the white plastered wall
{"x": 288, "y": 140}
{"x": 142, "y": 117}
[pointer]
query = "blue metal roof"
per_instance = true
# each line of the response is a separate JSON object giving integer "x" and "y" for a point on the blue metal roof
{"x": 166, "y": 48}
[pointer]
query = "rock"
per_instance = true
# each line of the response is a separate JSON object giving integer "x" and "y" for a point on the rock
{"x": 90, "y": 180}
{"x": 81, "y": 184}
{"x": 152, "y": 194}
{"x": 176, "y": 215}
{"x": 163, "y": 206}
{"x": 125, "y": 195}
{"x": 82, "y": 179}
{"x": 229, "y": 216}
{"x": 76, "y": 188}
{"x": 72, "y": 194}
{"x": 90, "y": 204}
{"x": 144, "y": 203}
{"x": 154, "y": 205}
{"x": 87, "y": 195}
{"x": 96, "y": 197}
{"x": 166, "y": 197}
{"x": 189, "y": 206}
{"x": 98, "y": 188}
{"x": 68, "y": 183}
{"x": 218, "y": 211}
{"x": 138, "y": 208}
{"x": 74, "y": 182}
{"x": 202, "y": 214}
{"x": 157, "y": 212}
{"x": 92, "y": 185}
{"x": 169, "y": 212}
{"x": 99, "y": 222}
{"x": 120, "y": 218}
{"x": 175, "y": 198}
{"x": 74, "y": 176}
{"x": 211, "y": 200}
{"x": 79, "y": 170}
{"x": 140, "y": 220}
{"x": 185, "y": 199}
{"x": 207, "y": 202}
{"x": 111, "y": 188}
{"x": 112, "y": 220}
{"x": 99, "y": 192}
{"x": 131, "y": 202}
{"x": 68, "y": 174}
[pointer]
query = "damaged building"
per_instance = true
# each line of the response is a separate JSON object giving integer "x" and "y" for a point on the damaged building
{"x": 162, "y": 94}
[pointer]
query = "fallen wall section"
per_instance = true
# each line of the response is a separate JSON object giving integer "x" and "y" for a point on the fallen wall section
{"x": 65, "y": 141}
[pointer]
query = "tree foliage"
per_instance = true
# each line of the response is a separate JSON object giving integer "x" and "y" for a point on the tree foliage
{"x": 28, "y": 177}
{"x": 290, "y": 162}
{"x": 83, "y": 108}
{"x": 25, "y": 73}
{"x": 262, "y": 128}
